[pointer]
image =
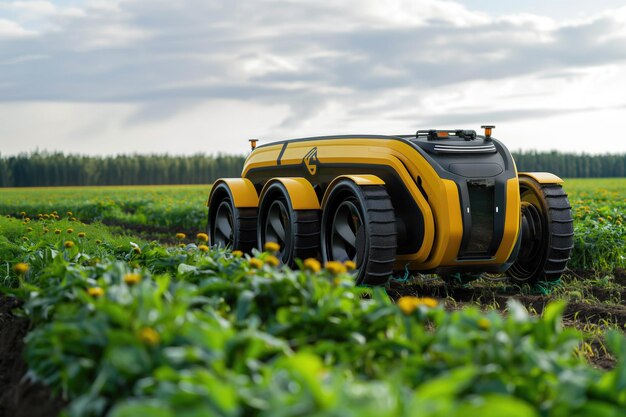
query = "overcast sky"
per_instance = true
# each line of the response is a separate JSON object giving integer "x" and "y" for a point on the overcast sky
{"x": 123, "y": 76}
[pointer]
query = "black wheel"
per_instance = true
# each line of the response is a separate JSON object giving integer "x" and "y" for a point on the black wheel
{"x": 296, "y": 231}
{"x": 359, "y": 225}
{"x": 547, "y": 233}
{"x": 229, "y": 226}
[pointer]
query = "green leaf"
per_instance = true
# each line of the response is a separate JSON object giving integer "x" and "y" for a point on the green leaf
{"x": 140, "y": 408}
{"x": 184, "y": 268}
{"x": 553, "y": 312}
{"x": 495, "y": 405}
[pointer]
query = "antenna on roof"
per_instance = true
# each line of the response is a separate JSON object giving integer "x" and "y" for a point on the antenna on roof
{"x": 253, "y": 143}
{"x": 488, "y": 130}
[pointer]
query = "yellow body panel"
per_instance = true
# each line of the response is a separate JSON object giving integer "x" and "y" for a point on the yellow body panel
{"x": 511, "y": 221}
{"x": 395, "y": 154}
{"x": 365, "y": 179}
{"x": 301, "y": 192}
{"x": 542, "y": 177}
{"x": 442, "y": 213}
{"x": 243, "y": 191}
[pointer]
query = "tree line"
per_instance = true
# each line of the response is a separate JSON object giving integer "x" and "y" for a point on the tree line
{"x": 571, "y": 165}
{"x": 58, "y": 169}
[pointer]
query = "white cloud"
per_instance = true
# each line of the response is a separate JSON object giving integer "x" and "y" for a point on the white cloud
{"x": 308, "y": 67}
{"x": 9, "y": 29}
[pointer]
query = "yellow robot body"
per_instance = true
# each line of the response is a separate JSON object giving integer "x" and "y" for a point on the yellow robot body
{"x": 455, "y": 198}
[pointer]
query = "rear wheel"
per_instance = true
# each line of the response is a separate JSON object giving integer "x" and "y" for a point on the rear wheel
{"x": 358, "y": 225}
{"x": 296, "y": 231}
{"x": 229, "y": 226}
{"x": 547, "y": 233}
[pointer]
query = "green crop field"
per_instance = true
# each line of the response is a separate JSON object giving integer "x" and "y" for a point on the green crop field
{"x": 108, "y": 313}
{"x": 148, "y": 207}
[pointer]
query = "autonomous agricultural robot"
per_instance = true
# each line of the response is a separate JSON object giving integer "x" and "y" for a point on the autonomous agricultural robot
{"x": 438, "y": 201}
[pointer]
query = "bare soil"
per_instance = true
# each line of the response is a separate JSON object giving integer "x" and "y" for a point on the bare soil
{"x": 600, "y": 309}
{"x": 19, "y": 397}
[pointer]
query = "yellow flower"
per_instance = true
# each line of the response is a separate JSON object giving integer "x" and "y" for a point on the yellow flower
{"x": 409, "y": 304}
{"x": 24, "y": 238}
{"x": 132, "y": 278}
{"x": 428, "y": 302}
{"x": 350, "y": 265}
{"x": 180, "y": 236}
{"x": 203, "y": 248}
{"x": 237, "y": 253}
{"x": 181, "y": 245}
{"x": 484, "y": 324}
{"x": 81, "y": 234}
{"x": 29, "y": 229}
{"x": 271, "y": 247}
{"x": 149, "y": 336}
{"x": 70, "y": 231}
{"x": 312, "y": 264}
{"x": 272, "y": 260}
{"x": 335, "y": 267}
{"x": 55, "y": 212}
{"x": 95, "y": 291}
{"x": 23, "y": 213}
{"x": 256, "y": 263}
{"x": 203, "y": 237}
{"x": 136, "y": 249}
{"x": 57, "y": 232}
{"x": 21, "y": 268}
{"x": 68, "y": 244}
{"x": 46, "y": 216}
{"x": 69, "y": 213}
{"x": 98, "y": 241}
{"x": 72, "y": 219}
{"x": 45, "y": 230}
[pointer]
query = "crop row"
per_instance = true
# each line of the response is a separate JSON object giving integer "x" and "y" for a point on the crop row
{"x": 174, "y": 207}
{"x": 125, "y": 328}
{"x": 598, "y": 209}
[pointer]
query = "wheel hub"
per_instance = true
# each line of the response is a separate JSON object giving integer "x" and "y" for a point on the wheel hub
{"x": 223, "y": 230}
{"x": 347, "y": 234}
{"x": 533, "y": 241}
{"x": 277, "y": 226}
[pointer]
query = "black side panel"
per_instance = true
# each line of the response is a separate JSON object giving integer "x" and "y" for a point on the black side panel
{"x": 481, "y": 204}
{"x": 481, "y": 176}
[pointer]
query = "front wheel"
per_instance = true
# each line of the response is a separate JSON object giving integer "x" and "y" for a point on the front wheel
{"x": 359, "y": 225}
{"x": 547, "y": 233}
{"x": 229, "y": 226}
